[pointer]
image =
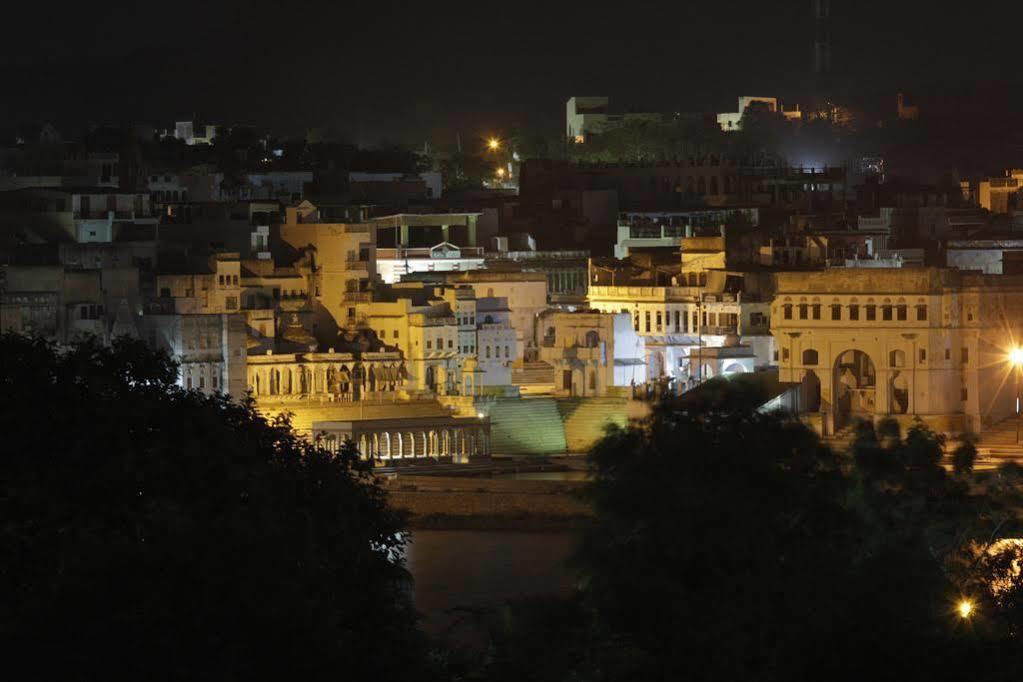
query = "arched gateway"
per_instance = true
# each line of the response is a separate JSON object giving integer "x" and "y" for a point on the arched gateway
{"x": 855, "y": 387}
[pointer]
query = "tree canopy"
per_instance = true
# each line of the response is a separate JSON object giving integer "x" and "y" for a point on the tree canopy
{"x": 733, "y": 544}
{"x": 147, "y": 532}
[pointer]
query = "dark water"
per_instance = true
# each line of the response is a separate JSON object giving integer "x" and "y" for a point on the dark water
{"x": 571, "y": 475}
{"x": 478, "y": 569}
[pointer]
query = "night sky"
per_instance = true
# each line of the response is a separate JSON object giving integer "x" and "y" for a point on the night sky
{"x": 382, "y": 70}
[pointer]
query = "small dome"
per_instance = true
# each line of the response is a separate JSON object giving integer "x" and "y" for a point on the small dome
{"x": 732, "y": 341}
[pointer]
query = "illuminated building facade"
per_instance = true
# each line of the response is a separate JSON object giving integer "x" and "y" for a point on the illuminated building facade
{"x": 904, "y": 342}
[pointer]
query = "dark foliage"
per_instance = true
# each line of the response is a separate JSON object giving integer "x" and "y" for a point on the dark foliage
{"x": 151, "y": 533}
{"x": 732, "y": 545}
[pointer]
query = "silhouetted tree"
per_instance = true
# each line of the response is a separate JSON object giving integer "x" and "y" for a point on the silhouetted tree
{"x": 154, "y": 533}
{"x": 731, "y": 544}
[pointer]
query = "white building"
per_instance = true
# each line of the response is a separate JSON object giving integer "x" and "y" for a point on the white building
{"x": 392, "y": 264}
{"x": 586, "y": 116}
{"x": 193, "y": 132}
{"x": 732, "y": 120}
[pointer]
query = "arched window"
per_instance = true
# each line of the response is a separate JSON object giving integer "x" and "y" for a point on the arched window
{"x": 810, "y": 357}
{"x": 592, "y": 339}
{"x": 897, "y": 358}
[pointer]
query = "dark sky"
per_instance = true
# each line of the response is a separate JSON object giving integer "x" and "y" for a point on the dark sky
{"x": 402, "y": 71}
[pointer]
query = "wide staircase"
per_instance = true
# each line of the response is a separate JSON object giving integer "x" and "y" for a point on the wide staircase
{"x": 586, "y": 420}
{"x": 998, "y": 444}
{"x": 841, "y": 440}
{"x": 526, "y": 426}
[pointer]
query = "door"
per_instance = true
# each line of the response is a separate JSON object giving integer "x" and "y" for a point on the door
{"x": 566, "y": 379}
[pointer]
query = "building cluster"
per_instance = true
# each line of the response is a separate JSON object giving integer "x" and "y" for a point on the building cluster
{"x": 384, "y": 308}
{"x": 381, "y": 304}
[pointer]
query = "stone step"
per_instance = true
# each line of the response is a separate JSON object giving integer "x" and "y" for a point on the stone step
{"x": 526, "y": 426}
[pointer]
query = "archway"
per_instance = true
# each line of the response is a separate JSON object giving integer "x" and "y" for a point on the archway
{"x": 655, "y": 365}
{"x": 409, "y": 442}
{"x": 734, "y": 368}
{"x": 899, "y": 393}
{"x": 855, "y": 387}
{"x": 810, "y": 392}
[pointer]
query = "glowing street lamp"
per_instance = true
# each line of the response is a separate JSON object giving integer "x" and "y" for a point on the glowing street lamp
{"x": 1016, "y": 360}
{"x": 965, "y": 608}
{"x": 493, "y": 144}
{"x": 500, "y": 172}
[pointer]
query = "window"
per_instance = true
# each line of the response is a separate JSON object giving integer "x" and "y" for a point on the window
{"x": 221, "y": 280}
{"x": 507, "y": 352}
{"x": 921, "y": 313}
{"x": 635, "y": 321}
{"x": 871, "y": 313}
{"x": 451, "y": 344}
{"x": 395, "y": 333}
{"x": 234, "y": 280}
{"x": 964, "y": 356}
{"x": 923, "y": 355}
{"x": 488, "y": 351}
{"x": 802, "y": 311}
{"x": 836, "y": 311}
{"x": 232, "y": 302}
{"x": 897, "y": 358}
{"x": 901, "y": 313}
{"x": 963, "y": 394}
{"x": 784, "y": 353}
{"x": 788, "y": 311}
{"x": 202, "y": 381}
{"x": 816, "y": 311}
{"x": 810, "y": 357}
{"x": 776, "y": 356}
{"x": 678, "y": 321}
{"x": 216, "y": 380}
{"x": 660, "y": 321}
{"x": 646, "y": 317}
{"x": 854, "y": 312}
{"x": 948, "y": 353}
{"x": 429, "y": 344}
{"x": 886, "y": 313}
{"x": 188, "y": 383}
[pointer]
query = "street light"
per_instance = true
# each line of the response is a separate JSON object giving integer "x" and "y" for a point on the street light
{"x": 493, "y": 144}
{"x": 964, "y": 608}
{"x": 1016, "y": 359}
{"x": 500, "y": 172}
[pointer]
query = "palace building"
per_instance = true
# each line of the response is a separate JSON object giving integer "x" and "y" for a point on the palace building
{"x": 906, "y": 342}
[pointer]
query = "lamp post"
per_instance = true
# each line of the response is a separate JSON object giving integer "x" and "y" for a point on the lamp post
{"x": 1016, "y": 359}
